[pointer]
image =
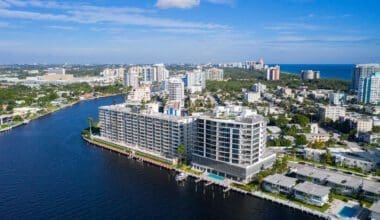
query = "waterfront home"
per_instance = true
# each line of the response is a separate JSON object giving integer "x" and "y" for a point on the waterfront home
{"x": 5, "y": 119}
{"x": 312, "y": 193}
{"x": 355, "y": 160}
{"x": 371, "y": 190}
{"x": 344, "y": 184}
{"x": 311, "y": 174}
{"x": 375, "y": 210}
{"x": 278, "y": 183}
{"x": 341, "y": 183}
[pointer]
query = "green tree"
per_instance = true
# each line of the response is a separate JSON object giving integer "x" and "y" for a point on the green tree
{"x": 181, "y": 150}
{"x": 90, "y": 121}
{"x": 301, "y": 139}
{"x": 301, "y": 119}
{"x": 376, "y": 129}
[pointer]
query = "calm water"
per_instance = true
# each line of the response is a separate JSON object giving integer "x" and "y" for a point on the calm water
{"x": 340, "y": 71}
{"x": 47, "y": 171}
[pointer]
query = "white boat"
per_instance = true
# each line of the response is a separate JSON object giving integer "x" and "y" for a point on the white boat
{"x": 181, "y": 177}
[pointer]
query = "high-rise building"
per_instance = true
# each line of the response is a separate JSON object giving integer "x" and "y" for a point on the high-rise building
{"x": 176, "y": 90}
{"x": 362, "y": 71}
{"x": 337, "y": 98}
{"x": 332, "y": 112}
{"x": 309, "y": 74}
{"x": 139, "y": 94}
{"x": 259, "y": 87}
{"x": 369, "y": 89}
{"x": 149, "y": 74}
{"x": 161, "y": 72}
{"x": 196, "y": 80}
{"x": 232, "y": 148}
{"x": 145, "y": 130}
{"x": 131, "y": 78}
{"x": 214, "y": 74}
{"x": 273, "y": 73}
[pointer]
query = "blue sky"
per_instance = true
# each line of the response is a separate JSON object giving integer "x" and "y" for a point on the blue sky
{"x": 172, "y": 31}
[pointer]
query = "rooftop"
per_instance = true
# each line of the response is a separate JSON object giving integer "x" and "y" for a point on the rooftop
{"x": 371, "y": 186}
{"x": 281, "y": 180}
{"x": 330, "y": 176}
{"x": 312, "y": 189}
{"x": 375, "y": 207}
{"x": 152, "y": 114}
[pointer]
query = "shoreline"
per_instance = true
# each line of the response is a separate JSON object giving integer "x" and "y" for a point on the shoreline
{"x": 27, "y": 121}
{"x": 207, "y": 181}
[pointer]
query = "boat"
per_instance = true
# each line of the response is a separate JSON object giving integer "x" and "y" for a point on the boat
{"x": 181, "y": 177}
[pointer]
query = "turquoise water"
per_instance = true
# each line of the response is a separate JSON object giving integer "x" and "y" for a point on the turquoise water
{"x": 214, "y": 176}
{"x": 347, "y": 212}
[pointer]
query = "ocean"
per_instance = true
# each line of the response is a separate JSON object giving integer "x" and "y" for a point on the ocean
{"x": 338, "y": 71}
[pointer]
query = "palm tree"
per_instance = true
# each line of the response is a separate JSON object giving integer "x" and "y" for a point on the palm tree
{"x": 90, "y": 121}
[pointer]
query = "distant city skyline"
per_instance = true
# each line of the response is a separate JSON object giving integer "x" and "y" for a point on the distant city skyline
{"x": 188, "y": 31}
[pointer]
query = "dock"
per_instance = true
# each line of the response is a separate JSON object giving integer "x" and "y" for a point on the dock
{"x": 208, "y": 181}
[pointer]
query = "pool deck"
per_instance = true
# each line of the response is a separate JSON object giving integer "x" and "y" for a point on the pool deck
{"x": 337, "y": 205}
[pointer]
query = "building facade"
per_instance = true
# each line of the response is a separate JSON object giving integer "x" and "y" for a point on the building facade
{"x": 273, "y": 73}
{"x": 362, "y": 71}
{"x": 337, "y": 98}
{"x": 176, "y": 89}
{"x": 369, "y": 89}
{"x": 148, "y": 131}
{"x": 131, "y": 77}
{"x": 231, "y": 148}
{"x": 309, "y": 74}
{"x": 332, "y": 112}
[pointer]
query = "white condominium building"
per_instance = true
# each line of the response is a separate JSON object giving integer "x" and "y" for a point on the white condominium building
{"x": 232, "y": 148}
{"x": 161, "y": 72}
{"x": 176, "y": 89}
{"x": 139, "y": 94}
{"x": 332, "y": 112}
{"x": 144, "y": 130}
{"x": 131, "y": 78}
{"x": 259, "y": 87}
{"x": 214, "y": 74}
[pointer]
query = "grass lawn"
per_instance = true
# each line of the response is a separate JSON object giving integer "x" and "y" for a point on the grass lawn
{"x": 138, "y": 153}
{"x": 345, "y": 198}
{"x": 247, "y": 187}
{"x": 187, "y": 168}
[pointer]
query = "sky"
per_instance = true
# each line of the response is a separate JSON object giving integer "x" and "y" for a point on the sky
{"x": 189, "y": 31}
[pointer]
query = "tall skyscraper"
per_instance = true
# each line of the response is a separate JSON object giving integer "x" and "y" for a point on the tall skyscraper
{"x": 273, "y": 73}
{"x": 363, "y": 70}
{"x": 161, "y": 72}
{"x": 176, "y": 89}
{"x": 149, "y": 73}
{"x": 131, "y": 78}
{"x": 369, "y": 89}
{"x": 232, "y": 148}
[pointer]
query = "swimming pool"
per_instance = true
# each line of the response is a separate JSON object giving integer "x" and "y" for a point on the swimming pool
{"x": 216, "y": 177}
{"x": 347, "y": 212}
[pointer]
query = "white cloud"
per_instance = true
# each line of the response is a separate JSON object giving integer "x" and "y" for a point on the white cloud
{"x": 88, "y": 14}
{"x": 59, "y": 27}
{"x": 183, "y": 4}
